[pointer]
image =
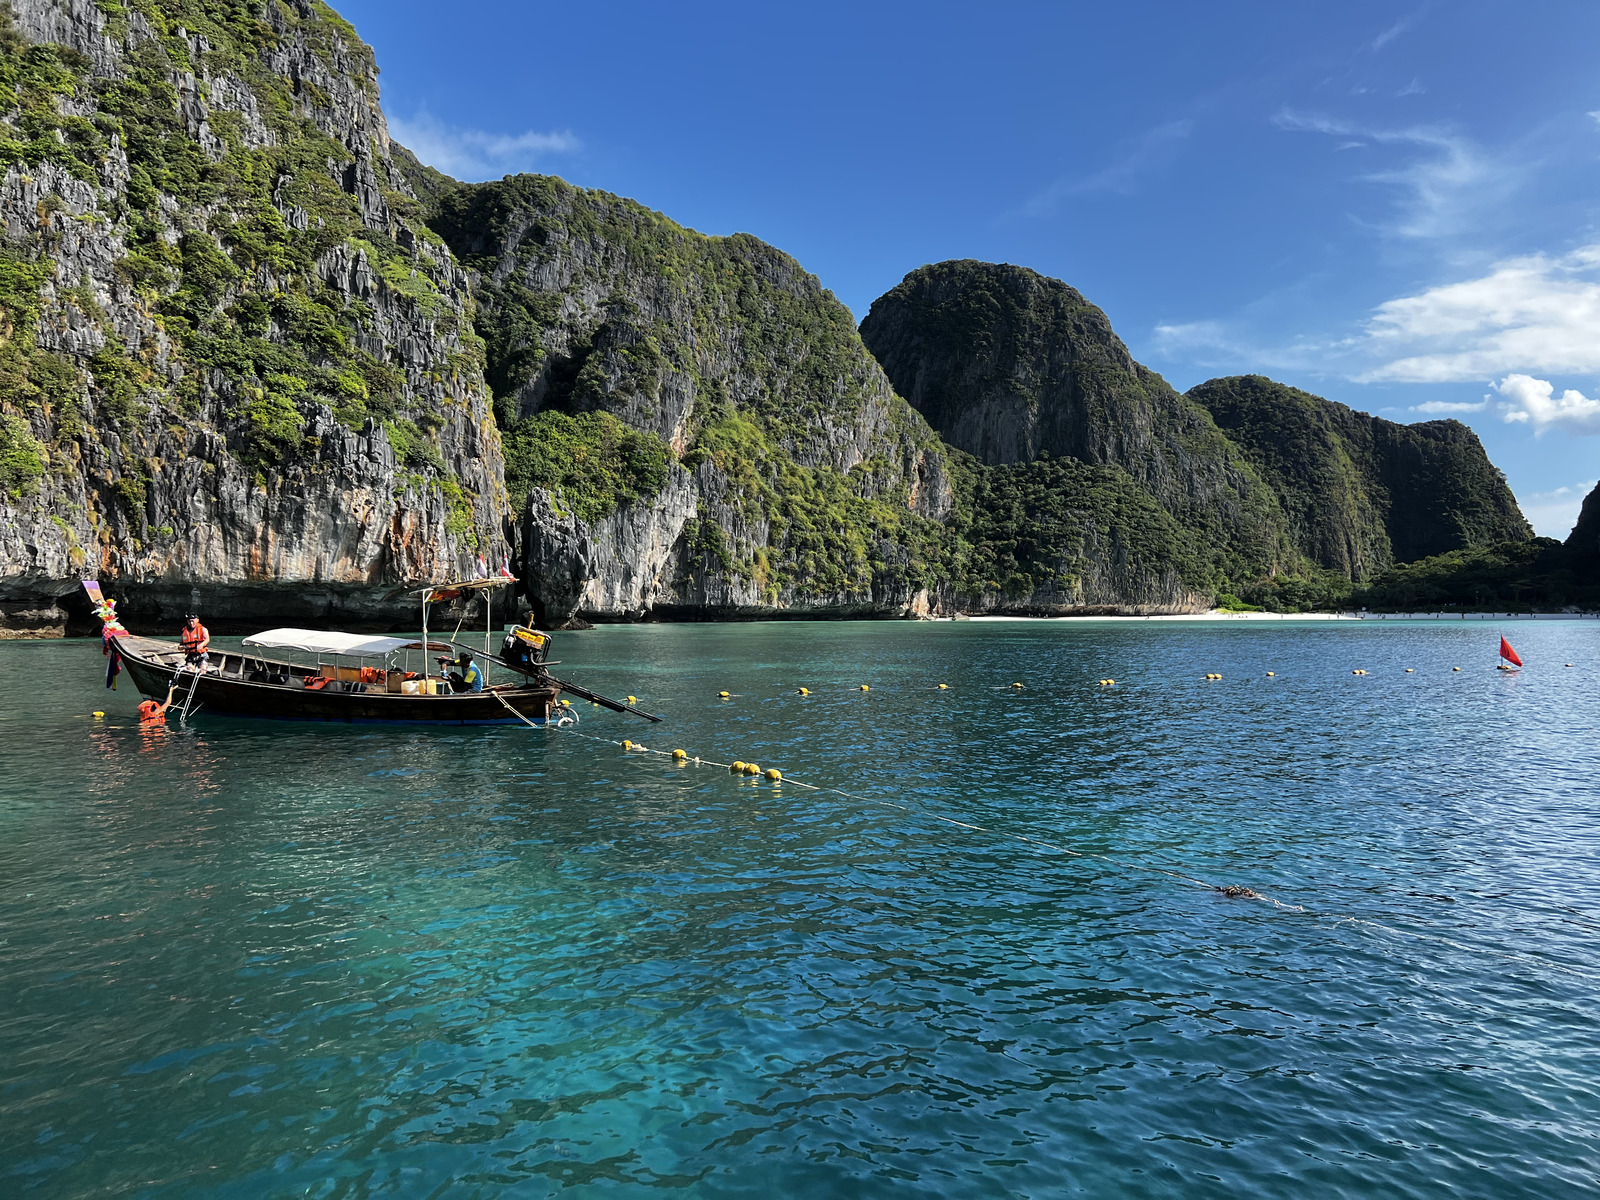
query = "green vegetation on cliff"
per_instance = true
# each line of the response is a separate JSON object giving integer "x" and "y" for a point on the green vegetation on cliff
{"x": 1067, "y": 532}
{"x": 591, "y": 463}
{"x": 21, "y": 457}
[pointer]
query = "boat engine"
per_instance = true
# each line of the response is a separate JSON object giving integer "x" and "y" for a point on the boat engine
{"x": 525, "y": 650}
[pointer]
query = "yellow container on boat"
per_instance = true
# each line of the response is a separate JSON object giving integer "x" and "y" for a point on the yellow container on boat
{"x": 410, "y": 687}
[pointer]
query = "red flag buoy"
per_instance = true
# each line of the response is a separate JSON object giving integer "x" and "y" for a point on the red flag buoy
{"x": 1507, "y": 653}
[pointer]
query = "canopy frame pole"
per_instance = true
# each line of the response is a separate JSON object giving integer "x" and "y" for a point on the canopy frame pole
{"x": 488, "y": 608}
{"x": 424, "y": 640}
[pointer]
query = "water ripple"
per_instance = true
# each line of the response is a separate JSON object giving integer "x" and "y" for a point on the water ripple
{"x": 263, "y": 960}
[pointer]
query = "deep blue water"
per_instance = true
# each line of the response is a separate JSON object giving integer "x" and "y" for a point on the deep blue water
{"x": 255, "y": 959}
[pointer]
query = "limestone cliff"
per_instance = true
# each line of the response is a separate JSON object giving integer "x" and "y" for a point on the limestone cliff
{"x": 1361, "y": 493}
{"x": 1243, "y": 484}
{"x": 235, "y": 361}
{"x": 255, "y": 355}
{"x": 1014, "y": 367}
{"x": 693, "y": 421}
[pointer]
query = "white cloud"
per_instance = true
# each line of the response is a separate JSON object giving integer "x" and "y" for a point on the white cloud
{"x": 1154, "y": 149}
{"x": 1530, "y": 314}
{"x": 1435, "y": 407}
{"x": 1394, "y": 31}
{"x": 1193, "y": 335}
{"x": 477, "y": 154}
{"x": 1533, "y": 402}
{"x": 1554, "y": 513}
{"x": 1442, "y": 189}
{"x": 1414, "y": 88}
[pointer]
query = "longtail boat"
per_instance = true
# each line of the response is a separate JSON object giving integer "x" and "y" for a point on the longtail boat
{"x": 366, "y": 681}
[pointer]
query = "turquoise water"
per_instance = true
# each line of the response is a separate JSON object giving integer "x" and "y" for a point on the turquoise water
{"x": 271, "y": 960}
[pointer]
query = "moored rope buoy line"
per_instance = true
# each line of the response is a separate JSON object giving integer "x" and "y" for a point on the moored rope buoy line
{"x": 777, "y": 778}
{"x": 1233, "y": 891}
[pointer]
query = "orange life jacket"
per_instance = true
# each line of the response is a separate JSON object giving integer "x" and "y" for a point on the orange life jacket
{"x": 192, "y": 639}
{"x": 150, "y": 713}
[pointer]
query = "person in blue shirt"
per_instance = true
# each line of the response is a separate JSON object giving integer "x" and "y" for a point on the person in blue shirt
{"x": 467, "y": 678}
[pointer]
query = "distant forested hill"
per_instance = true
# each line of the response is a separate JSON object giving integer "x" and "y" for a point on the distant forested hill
{"x": 1362, "y": 493}
{"x": 1264, "y": 491}
{"x": 1541, "y": 573}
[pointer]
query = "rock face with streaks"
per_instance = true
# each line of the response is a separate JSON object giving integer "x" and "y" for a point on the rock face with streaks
{"x": 694, "y": 421}
{"x": 238, "y": 367}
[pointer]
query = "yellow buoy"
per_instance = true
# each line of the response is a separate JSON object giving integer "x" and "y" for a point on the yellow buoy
{"x": 680, "y": 755}
{"x": 1455, "y": 668}
{"x": 724, "y": 695}
{"x": 1409, "y": 671}
{"x": 566, "y": 704}
{"x": 802, "y": 691}
{"x": 1016, "y": 685}
{"x": 633, "y": 699}
{"x": 626, "y": 744}
{"x": 865, "y": 688}
{"x": 1270, "y": 674}
{"x": 751, "y": 769}
{"x": 774, "y": 774}
{"x": 736, "y": 767}
{"x": 945, "y": 687}
{"x": 99, "y": 714}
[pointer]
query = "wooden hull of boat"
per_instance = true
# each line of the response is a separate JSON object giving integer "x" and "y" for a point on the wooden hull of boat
{"x": 153, "y": 665}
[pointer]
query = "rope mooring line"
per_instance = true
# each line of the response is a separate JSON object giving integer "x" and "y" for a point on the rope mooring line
{"x": 1232, "y": 891}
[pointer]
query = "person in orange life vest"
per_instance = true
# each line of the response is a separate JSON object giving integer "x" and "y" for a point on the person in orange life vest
{"x": 195, "y": 640}
{"x": 152, "y": 713}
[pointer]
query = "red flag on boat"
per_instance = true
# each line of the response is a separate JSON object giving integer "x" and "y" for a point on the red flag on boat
{"x": 1507, "y": 653}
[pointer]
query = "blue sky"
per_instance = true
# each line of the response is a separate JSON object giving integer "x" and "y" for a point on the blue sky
{"x": 1392, "y": 205}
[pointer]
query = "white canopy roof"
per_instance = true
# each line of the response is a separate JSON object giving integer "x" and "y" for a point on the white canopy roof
{"x": 321, "y": 641}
